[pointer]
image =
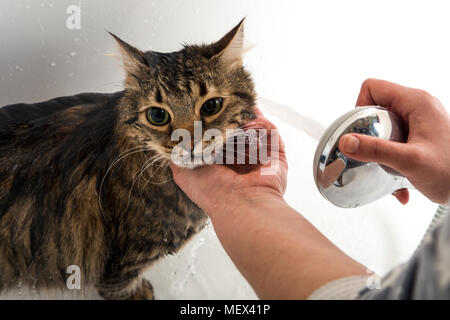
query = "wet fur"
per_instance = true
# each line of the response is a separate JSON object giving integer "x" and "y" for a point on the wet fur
{"x": 63, "y": 199}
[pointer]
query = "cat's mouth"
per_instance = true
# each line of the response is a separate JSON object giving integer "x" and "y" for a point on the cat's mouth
{"x": 232, "y": 149}
{"x": 191, "y": 159}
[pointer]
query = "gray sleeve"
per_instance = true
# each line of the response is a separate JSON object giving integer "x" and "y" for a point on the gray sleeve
{"x": 341, "y": 289}
{"x": 425, "y": 276}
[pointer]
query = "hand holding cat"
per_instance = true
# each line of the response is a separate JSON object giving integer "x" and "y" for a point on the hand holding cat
{"x": 265, "y": 237}
{"x": 214, "y": 186}
{"x": 425, "y": 158}
{"x": 261, "y": 233}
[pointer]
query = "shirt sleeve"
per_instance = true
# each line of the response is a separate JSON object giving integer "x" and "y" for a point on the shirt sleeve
{"x": 341, "y": 289}
{"x": 425, "y": 276}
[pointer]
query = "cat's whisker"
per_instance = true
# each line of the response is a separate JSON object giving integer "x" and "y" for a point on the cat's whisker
{"x": 138, "y": 175}
{"x": 147, "y": 165}
{"x": 163, "y": 167}
{"x": 248, "y": 124}
{"x": 229, "y": 151}
{"x": 238, "y": 151}
{"x": 131, "y": 149}
{"x": 163, "y": 182}
{"x": 151, "y": 159}
{"x": 124, "y": 155}
{"x": 119, "y": 158}
{"x": 219, "y": 142}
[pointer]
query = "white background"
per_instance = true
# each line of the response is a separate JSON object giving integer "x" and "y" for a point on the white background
{"x": 309, "y": 55}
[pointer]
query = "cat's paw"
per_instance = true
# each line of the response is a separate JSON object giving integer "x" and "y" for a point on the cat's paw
{"x": 144, "y": 292}
{"x": 135, "y": 289}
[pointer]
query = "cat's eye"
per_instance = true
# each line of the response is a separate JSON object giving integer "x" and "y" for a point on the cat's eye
{"x": 158, "y": 116}
{"x": 211, "y": 107}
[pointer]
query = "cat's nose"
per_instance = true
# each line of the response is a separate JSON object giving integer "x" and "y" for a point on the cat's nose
{"x": 190, "y": 132}
{"x": 188, "y": 127}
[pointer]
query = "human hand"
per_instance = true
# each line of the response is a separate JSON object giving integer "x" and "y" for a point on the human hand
{"x": 425, "y": 158}
{"x": 261, "y": 233}
{"x": 215, "y": 187}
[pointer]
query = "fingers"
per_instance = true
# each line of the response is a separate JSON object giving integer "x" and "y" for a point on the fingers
{"x": 202, "y": 176}
{"x": 402, "y": 196}
{"x": 379, "y": 92}
{"x": 257, "y": 111}
{"x": 262, "y": 122}
{"x": 331, "y": 173}
{"x": 397, "y": 156}
{"x": 401, "y": 100}
{"x": 370, "y": 149}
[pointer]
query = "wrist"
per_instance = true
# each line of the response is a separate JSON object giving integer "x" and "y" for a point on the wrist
{"x": 238, "y": 203}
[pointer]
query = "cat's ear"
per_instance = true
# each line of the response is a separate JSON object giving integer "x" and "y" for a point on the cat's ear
{"x": 231, "y": 46}
{"x": 134, "y": 63}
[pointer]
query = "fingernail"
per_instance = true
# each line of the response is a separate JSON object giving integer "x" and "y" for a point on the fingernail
{"x": 351, "y": 144}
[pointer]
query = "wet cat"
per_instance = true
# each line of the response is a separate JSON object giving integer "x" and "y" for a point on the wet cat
{"x": 85, "y": 179}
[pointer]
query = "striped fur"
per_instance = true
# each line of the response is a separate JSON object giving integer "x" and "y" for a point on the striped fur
{"x": 65, "y": 200}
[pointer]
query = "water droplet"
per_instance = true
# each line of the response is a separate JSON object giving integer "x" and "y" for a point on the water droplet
{"x": 27, "y": 6}
{"x": 76, "y": 39}
{"x": 20, "y": 287}
{"x": 19, "y": 68}
{"x": 160, "y": 18}
{"x": 73, "y": 54}
{"x": 52, "y": 64}
{"x": 34, "y": 290}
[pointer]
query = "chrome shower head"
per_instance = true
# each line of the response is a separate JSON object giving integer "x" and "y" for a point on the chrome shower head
{"x": 348, "y": 183}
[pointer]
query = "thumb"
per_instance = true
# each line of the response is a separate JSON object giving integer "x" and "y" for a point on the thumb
{"x": 371, "y": 149}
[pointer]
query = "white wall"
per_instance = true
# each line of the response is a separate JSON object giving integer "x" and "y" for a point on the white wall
{"x": 310, "y": 55}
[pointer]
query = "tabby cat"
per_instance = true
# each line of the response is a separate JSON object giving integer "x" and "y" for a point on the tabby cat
{"x": 85, "y": 180}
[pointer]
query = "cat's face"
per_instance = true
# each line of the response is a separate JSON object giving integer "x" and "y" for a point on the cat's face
{"x": 196, "y": 89}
